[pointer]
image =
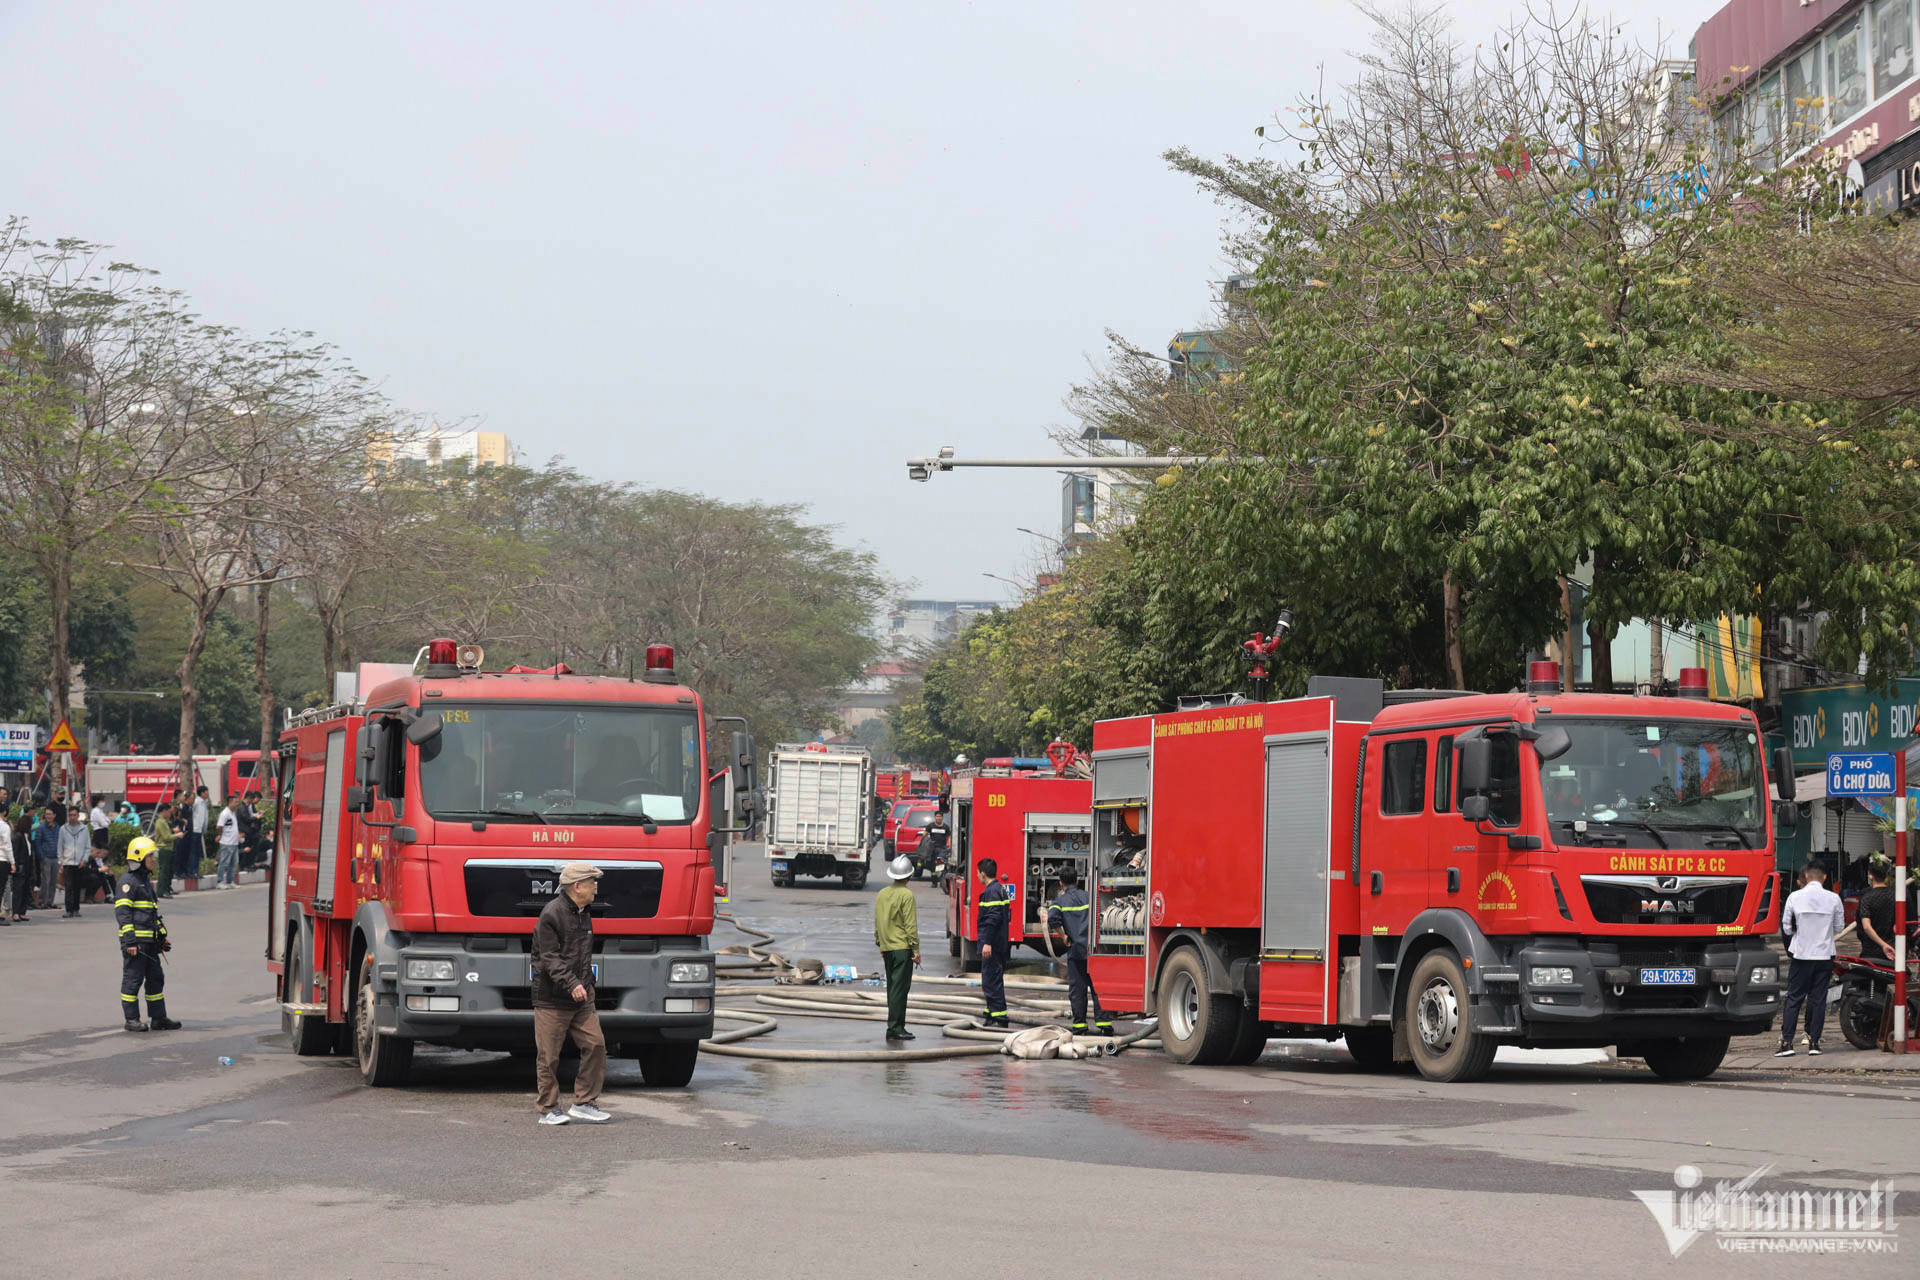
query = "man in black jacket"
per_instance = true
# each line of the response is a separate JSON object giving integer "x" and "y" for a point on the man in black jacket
{"x": 142, "y": 938}
{"x": 563, "y": 997}
{"x": 1071, "y": 914}
{"x": 991, "y": 927}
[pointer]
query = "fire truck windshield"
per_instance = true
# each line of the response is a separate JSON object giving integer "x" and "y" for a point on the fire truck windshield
{"x": 564, "y": 764}
{"x": 1656, "y": 778}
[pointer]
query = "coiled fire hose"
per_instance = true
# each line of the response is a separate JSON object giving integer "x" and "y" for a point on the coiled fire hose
{"x": 955, "y": 1014}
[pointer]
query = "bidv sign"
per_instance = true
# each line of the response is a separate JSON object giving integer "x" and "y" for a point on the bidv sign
{"x": 1860, "y": 774}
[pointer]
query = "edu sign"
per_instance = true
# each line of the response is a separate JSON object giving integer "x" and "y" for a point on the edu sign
{"x": 17, "y": 742}
{"x": 1869, "y": 774}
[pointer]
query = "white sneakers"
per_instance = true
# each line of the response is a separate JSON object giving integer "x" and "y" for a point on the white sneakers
{"x": 585, "y": 1112}
{"x": 554, "y": 1117}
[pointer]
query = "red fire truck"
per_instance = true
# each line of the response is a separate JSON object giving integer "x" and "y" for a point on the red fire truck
{"x": 423, "y": 828}
{"x": 147, "y": 781}
{"x": 1432, "y": 875}
{"x": 1032, "y": 823}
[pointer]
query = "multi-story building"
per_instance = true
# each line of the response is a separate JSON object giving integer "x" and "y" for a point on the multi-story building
{"x": 915, "y": 626}
{"x": 1828, "y": 81}
{"x": 437, "y": 449}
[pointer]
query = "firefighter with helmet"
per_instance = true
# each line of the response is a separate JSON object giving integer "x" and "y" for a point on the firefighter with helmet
{"x": 142, "y": 938}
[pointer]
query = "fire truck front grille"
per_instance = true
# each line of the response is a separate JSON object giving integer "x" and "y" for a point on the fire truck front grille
{"x": 515, "y": 889}
{"x": 1665, "y": 899}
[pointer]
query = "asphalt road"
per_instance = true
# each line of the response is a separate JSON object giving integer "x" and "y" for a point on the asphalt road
{"x": 143, "y": 1154}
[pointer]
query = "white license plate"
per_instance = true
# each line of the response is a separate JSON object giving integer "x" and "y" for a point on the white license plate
{"x": 1667, "y": 977}
{"x": 596, "y": 974}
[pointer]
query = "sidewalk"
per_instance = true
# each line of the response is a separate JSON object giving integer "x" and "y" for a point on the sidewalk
{"x": 1844, "y": 1058}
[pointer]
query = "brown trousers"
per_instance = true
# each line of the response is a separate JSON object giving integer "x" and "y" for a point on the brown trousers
{"x": 550, "y": 1030}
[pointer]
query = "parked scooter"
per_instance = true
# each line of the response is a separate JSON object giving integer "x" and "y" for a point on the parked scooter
{"x": 1865, "y": 987}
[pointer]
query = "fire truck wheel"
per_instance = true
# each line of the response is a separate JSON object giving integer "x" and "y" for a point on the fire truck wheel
{"x": 311, "y": 1037}
{"x": 1445, "y": 1047}
{"x": 1195, "y": 1025}
{"x": 1371, "y": 1047}
{"x": 384, "y": 1060}
{"x": 854, "y": 880}
{"x": 1250, "y": 1043}
{"x": 668, "y": 1066}
{"x": 1693, "y": 1058}
{"x": 781, "y": 881}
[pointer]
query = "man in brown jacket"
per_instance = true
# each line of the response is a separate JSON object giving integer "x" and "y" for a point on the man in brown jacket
{"x": 563, "y": 997}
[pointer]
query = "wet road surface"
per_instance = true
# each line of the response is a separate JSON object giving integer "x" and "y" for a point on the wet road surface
{"x": 1299, "y": 1165}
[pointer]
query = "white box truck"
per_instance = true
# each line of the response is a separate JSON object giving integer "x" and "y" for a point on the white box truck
{"x": 819, "y": 813}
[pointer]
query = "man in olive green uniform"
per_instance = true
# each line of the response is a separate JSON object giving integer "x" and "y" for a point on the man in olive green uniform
{"x": 896, "y": 931}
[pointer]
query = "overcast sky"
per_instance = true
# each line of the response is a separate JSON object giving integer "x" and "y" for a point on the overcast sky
{"x": 760, "y": 250}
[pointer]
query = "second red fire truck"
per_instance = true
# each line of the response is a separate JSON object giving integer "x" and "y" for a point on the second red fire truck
{"x": 1031, "y": 817}
{"x": 423, "y": 828}
{"x": 1434, "y": 875}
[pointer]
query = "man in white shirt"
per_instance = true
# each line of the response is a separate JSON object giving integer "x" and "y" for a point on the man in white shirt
{"x": 1811, "y": 920}
{"x": 229, "y": 864}
{"x": 195, "y": 846}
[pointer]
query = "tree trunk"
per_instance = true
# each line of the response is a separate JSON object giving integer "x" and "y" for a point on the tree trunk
{"x": 1656, "y": 653}
{"x": 262, "y": 622}
{"x": 189, "y": 691}
{"x": 1602, "y": 655}
{"x": 1450, "y": 614}
{"x": 1569, "y": 640}
{"x": 60, "y": 588}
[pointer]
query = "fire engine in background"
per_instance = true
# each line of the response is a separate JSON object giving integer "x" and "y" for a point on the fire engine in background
{"x": 902, "y": 784}
{"x": 424, "y": 827}
{"x": 819, "y": 813}
{"x": 149, "y": 781}
{"x": 1030, "y": 815}
{"x": 1433, "y": 875}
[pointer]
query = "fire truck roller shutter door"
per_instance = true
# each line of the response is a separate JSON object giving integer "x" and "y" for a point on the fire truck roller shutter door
{"x": 1293, "y": 916}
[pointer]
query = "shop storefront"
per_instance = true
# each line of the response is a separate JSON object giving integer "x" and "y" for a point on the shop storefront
{"x": 1846, "y": 717}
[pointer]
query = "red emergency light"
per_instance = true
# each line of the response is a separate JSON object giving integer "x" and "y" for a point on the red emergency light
{"x": 659, "y": 664}
{"x": 1543, "y": 677}
{"x": 443, "y": 658}
{"x": 1693, "y": 682}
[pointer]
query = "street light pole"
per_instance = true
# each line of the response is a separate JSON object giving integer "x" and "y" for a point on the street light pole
{"x": 923, "y": 468}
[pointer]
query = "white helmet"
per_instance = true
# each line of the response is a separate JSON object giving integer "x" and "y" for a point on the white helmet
{"x": 901, "y": 868}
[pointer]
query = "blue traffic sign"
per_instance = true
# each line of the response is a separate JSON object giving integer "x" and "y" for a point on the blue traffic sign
{"x": 1860, "y": 773}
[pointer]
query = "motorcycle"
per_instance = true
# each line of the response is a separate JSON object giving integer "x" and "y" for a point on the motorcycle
{"x": 1865, "y": 987}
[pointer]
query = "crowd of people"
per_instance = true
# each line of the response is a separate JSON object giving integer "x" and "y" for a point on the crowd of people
{"x": 60, "y": 850}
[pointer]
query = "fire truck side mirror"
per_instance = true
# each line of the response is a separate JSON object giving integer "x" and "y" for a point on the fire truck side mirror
{"x": 1786, "y": 818}
{"x": 1783, "y": 773}
{"x": 1476, "y": 809}
{"x": 425, "y": 727}
{"x": 1552, "y": 743}
{"x": 741, "y": 765}
{"x": 1476, "y": 767}
{"x": 359, "y": 799}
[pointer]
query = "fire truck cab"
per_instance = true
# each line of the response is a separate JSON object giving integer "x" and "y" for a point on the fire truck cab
{"x": 1033, "y": 823}
{"x": 422, "y": 829}
{"x": 1433, "y": 875}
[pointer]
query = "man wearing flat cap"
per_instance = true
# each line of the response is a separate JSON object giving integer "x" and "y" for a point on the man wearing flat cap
{"x": 563, "y": 997}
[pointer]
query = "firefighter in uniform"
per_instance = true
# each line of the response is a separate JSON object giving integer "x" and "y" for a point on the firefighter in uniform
{"x": 142, "y": 938}
{"x": 992, "y": 925}
{"x": 1072, "y": 913}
